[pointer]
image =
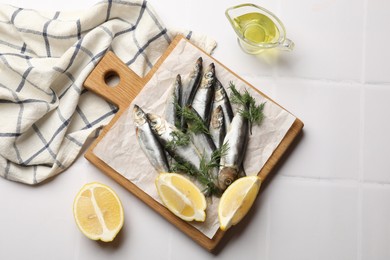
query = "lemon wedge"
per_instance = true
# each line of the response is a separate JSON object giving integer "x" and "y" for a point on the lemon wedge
{"x": 98, "y": 212}
{"x": 181, "y": 196}
{"x": 237, "y": 200}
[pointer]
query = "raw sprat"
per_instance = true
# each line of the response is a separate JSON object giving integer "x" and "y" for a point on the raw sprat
{"x": 221, "y": 98}
{"x": 175, "y": 97}
{"x": 203, "y": 99}
{"x": 248, "y": 113}
{"x": 189, "y": 89}
{"x": 217, "y": 126}
{"x": 148, "y": 142}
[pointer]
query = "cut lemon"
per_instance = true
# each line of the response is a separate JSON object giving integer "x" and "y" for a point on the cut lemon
{"x": 181, "y": 196}
{"x": 98, "y": 212}
{"x": 237, "y": 200}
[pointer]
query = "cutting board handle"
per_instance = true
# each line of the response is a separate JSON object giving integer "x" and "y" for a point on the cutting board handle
{"x": 128, "y": 87}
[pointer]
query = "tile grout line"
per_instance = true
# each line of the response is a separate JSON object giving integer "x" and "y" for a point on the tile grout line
{"x": 268, "y": 232}
{"x": 361, "y": 138}
{"x": 275, "y": 69}
{"x": 360, "y": 179}
{"x": 355, "y": 182}
{"x": 275, "y": 75}
{"x": 364, "y": 42}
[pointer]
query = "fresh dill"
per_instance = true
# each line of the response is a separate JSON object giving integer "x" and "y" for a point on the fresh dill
{"x": 206, "y": 169}
{"x": 178, "y": 139}
{"x": 185, "y": 167}
{"x": 250, "y": 110}
{"x": 194, "y": 121}
{"x": 217, "y": 155}
{"x": 206, "y": 177}
{"x": 176, "y": 104}
{"x": 204, "y": 174}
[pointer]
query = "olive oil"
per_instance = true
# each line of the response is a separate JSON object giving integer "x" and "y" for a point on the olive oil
{"x": 256, "y": 28}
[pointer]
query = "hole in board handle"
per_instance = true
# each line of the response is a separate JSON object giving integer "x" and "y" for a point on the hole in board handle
{"x": 111, "y": 79}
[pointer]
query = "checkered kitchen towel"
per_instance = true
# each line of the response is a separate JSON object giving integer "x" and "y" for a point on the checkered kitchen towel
{"x": 45, "y": 113}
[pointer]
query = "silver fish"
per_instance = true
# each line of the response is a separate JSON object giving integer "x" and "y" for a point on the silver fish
{"x": 174, "y": 99}
{"x": 189, "y": 88}
{"x": 222, "y": 99}
{"x": 149, "y": 142}
{"x": 193, "y": 82}
{"x": 217, "y": 126}
{"x": 202, "y": 102}
{"x": 231, "y": 163}
{"x": 202, "y": 141}
{"x": 165, "y": 132}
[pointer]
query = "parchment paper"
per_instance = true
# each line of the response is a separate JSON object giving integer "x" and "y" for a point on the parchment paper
{"x": 121, "y": 151}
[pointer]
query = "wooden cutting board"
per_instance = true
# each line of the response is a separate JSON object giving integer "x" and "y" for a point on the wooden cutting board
{"x": 129, "y": 86}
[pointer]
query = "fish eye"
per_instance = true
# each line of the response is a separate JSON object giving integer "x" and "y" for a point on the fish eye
{"x": 155, "y": 121}
{"x": 139, "y": 113}
{"x": 228, "y": 182}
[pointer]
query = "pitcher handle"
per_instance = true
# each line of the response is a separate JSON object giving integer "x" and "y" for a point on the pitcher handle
{"x": 287, "y": 45}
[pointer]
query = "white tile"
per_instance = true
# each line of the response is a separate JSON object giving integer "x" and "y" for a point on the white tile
{"x": 27, "y": 227}
{"x": 331, "y": 134}
{"x": 376, "y": 145}
{"x": 375, "y": 222}
{"x": 255, "y": 66}
{"x": 313, "y": 220}
{"x": 329, "y": 44}
{"x": 255, "y": 227}
{"x": 266, "y": 85}
{"x": 377, "y": 42}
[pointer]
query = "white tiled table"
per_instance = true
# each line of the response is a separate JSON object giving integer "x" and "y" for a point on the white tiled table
{"x": 328, "y": 200}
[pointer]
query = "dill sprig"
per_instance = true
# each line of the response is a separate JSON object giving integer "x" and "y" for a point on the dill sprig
{"x": 217, "y": 155}
{"x": 250, "y": 110}
{"x": 206, "y": 176}
{"x": 184, "y": 167}
{"x": 204, "y": 173}
{"x": 176, "y": 103}
{"x": 194, "y": 121}
{"x": 178, "y": 139}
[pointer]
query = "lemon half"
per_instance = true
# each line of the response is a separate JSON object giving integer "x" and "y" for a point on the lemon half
{"x": 98, "y": 212}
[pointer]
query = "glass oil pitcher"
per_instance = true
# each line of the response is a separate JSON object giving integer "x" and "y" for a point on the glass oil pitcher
{"x": 257, "y": 29}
